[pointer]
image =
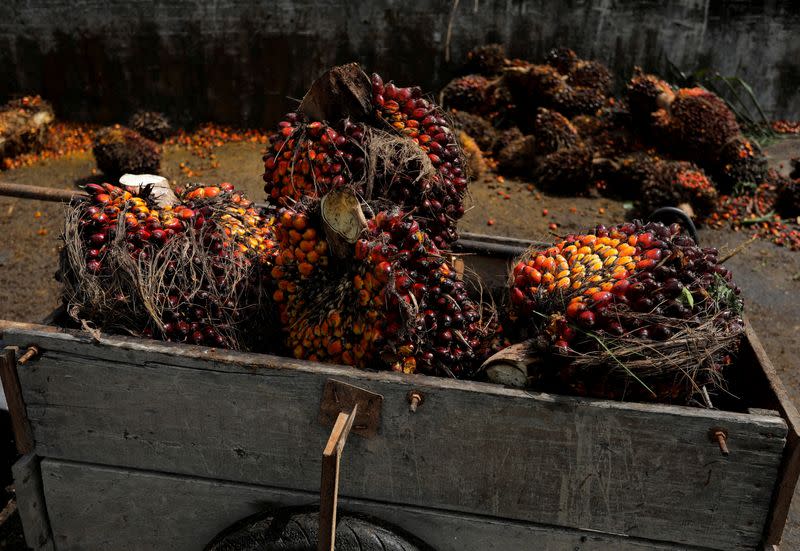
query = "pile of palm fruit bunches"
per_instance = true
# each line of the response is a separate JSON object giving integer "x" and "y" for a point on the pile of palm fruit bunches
{"x": 352, "y": 258}
{"x": 558, "y": 124}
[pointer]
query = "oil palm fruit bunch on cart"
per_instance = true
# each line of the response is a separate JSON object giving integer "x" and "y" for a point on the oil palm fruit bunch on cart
{"x": 390, "y": 300}
{"x": 398, "y": 149}
{"x": 636, "y": 311}
{"x": 188, "y": 270}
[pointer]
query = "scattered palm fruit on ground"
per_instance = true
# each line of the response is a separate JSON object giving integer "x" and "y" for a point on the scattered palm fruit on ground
{"x": 119, "y": 150}
{"x": 188, "y": 272}
{"x": 786, "y": 127}
{"x": 152, "y": 125}
{"x": 23, "y": 125}
{"x": 404, "y": 152}
{"x": 635, "y": 311}
{"x": 60, "y": 139}
{"x": 394, "y": 303}
{"x": 757, "y": 213}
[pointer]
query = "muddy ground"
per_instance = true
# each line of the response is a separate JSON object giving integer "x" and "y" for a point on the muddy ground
{"x": 769, "y": 275}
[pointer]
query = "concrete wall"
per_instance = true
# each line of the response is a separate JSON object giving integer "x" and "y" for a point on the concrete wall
{"x": 239, "y": 61}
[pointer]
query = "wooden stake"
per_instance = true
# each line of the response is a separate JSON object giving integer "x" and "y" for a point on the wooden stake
{"x": 329, "y": 487}
{"x": 16, "y": 406}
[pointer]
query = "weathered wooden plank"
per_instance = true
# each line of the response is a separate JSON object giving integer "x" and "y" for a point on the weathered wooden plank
{"x": 790, "y": 466}
{"x": 31, "y": 504}
{"x": 129, "y": 510}
{"x": 642, "y": 470}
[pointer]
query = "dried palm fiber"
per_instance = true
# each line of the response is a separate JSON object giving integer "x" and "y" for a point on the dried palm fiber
{"x": 392, "y": 301}
{"x": 636, "y": 311}
{"x": 487, "y": 60}
{"x": 477, "y": 128}
{"x": 399, "y": 150}
{"x": 186, "y": 272}
{"x": 23, "y": 125}
{"x": 152, "y": 125}
{"x": 119, "y": 150}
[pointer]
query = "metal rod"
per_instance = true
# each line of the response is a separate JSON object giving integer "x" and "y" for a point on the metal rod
{"x": 40, "y": 193}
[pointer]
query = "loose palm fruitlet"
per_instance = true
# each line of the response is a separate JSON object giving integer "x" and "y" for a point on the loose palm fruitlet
{"x": 396, "y": 304}
{"x": 635, "y": 311}
{"x": 405, "y": 154}
{"x": 188, "y": 272}
{"x": 119, "y": 150}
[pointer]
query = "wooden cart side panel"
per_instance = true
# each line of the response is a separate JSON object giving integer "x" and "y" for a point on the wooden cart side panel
{"x": 31, "y": 503}
{"x": 474, "y": 448}
{"x": 790, "y": 466}
{"x": 129, "y": 510}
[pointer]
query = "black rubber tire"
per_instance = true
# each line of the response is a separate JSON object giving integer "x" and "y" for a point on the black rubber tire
{"x": 296, "y": 530}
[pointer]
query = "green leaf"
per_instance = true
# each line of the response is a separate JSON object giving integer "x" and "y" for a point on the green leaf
{"x": 687, "y": 297}
{"x": 627, "y": 205}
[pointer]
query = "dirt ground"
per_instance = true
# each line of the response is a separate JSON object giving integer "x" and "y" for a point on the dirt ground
{"x": 768, "y": 275}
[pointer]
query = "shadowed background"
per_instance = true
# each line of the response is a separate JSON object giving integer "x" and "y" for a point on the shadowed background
{"x": 239, "y": 61}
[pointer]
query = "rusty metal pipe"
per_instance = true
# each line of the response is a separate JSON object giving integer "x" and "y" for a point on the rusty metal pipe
{"x": 40, "y": 193}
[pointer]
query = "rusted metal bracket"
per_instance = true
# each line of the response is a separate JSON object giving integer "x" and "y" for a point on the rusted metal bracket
{"x": 341, "y": 397}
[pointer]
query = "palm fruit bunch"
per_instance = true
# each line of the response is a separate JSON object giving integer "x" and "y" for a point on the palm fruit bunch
{"x": 152, "y": 125}
{"x": 739, "y": 162}
{"x": 635, "y": 310}
{"x": 394, "y": 303}
{"x": 787, "y": 203}
{"x": 185, "y": 272}
{"x": 23, "y": 125}
{"x": 654, "y": 182}
{"x": 580, "y": 73}
{"x": 553, "y": 131}
{"x": 471, "y": 93}
{"x": 567, "y": 171}
{"x": 476, "y": 163}
{"x": 414, "y": 159}
{"x": 696, "y": 123}
{"x": 646, "y": 94}
{"x": 674, "y": 183}
{"x": 486, "y": 60}
{"x": 477, "y": 128}
{"x": 119, "y": 150}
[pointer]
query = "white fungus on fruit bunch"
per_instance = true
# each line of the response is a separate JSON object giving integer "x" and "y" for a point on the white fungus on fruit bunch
{"x": 187, "y": 272}
{"x": 635, "y": 311}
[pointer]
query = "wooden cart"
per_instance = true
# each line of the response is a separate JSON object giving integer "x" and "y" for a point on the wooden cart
{"x": 137, "y": 444}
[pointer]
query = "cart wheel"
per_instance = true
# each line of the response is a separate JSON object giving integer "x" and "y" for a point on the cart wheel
{"x": 296, "y": 530}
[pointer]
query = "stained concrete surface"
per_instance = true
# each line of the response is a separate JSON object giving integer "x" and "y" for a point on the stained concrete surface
{"x": 769, "y": 275}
